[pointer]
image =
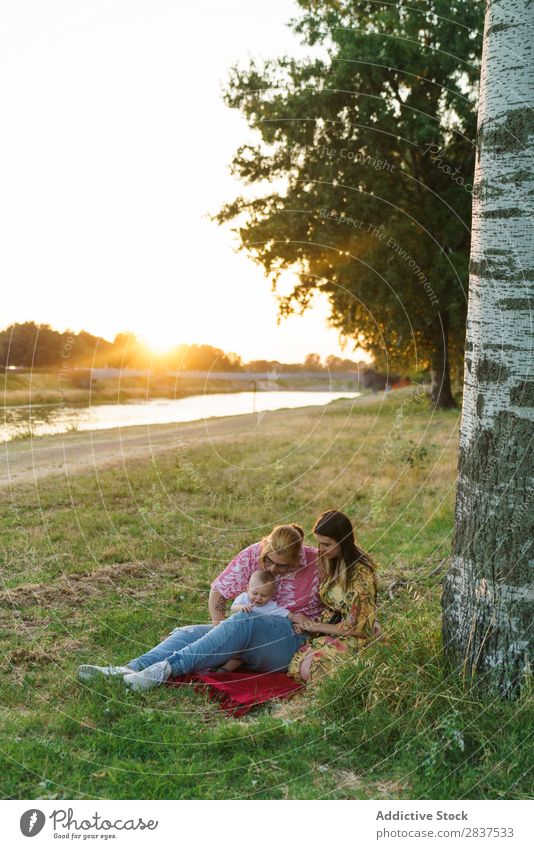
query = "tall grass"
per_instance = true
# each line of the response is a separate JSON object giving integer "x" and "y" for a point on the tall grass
{"x": 99, "y": 567}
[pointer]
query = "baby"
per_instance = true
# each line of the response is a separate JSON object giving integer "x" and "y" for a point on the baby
{"x": 258, "y": 598}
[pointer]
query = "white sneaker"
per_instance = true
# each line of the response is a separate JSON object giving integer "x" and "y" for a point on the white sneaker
{"x": 150, "y": 677}
{"x": 87, "y": 672}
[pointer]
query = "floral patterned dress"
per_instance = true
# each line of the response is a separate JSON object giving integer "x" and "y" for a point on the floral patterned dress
{"x": 356, "y": 606}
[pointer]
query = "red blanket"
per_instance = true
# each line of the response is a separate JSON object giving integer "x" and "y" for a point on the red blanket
{"x": 239, "y": 692}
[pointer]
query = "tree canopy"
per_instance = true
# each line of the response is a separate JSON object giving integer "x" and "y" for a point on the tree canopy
{"x": 360, "y": 179}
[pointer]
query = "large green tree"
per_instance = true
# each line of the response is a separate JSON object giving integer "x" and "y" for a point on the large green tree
{"x": 488, "y": 600}
{"x": 360, "y": 175}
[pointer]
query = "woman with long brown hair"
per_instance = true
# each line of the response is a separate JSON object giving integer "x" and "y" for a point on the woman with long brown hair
{"x": 348, "y": 590}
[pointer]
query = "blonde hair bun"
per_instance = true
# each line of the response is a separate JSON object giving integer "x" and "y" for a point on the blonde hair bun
{"x": 286, "y": 540}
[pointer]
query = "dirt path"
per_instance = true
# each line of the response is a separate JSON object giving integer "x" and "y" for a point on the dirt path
{"x": 26, "y": 461}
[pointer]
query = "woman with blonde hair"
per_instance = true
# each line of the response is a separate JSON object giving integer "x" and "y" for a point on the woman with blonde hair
{"x": 284, "y": 555}
{"x": 264, "y": 643}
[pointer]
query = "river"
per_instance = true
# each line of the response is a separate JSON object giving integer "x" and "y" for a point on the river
{"x": 37, "y": 420}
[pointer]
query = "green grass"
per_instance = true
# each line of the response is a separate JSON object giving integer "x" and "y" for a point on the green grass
{"x": 100, "y": 567}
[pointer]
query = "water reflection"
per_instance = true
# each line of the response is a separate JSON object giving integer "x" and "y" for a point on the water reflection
{"x": 53, "y": 418}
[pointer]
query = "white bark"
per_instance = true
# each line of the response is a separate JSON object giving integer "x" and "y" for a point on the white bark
{"x": 488, "y": 600}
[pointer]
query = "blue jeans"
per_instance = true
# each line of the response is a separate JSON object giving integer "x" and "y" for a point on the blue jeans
{"x": 264, "y": 643}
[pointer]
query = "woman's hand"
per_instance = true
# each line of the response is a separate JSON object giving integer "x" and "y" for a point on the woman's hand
{"x": 377, "y": 629}
{"x": 297, "y": 619}
{"x": 304, "y": 623}
{"x": 294, "y": 619}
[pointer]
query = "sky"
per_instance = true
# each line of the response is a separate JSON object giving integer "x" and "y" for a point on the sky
{"x": 115, "y": 152}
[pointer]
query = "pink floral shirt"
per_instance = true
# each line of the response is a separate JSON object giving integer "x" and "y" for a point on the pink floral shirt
{"x": 298, "y": 592}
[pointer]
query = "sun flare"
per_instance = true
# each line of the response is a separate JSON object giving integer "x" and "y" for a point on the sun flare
{"x": 159, "y": 343}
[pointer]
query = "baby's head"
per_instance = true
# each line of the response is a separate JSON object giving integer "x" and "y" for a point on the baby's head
{"x": 261, "y": 587}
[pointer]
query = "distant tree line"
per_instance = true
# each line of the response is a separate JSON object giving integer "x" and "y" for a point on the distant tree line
{"x": 312, "y": 362}
{"x": 31, "y": 345}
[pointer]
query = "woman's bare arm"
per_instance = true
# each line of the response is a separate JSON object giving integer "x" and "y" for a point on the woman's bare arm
{"x": 217, "y": 607}
{"x": 324, "y": 628}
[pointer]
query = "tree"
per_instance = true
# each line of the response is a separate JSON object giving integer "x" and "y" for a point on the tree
{"x": 262, "y": 365}
{"x": 126, "y": 351}
{"x": 203, "y": 358}
{"x": 312, "y": 362}
{"x": 30, "y": 345}
{"x": 89, "y": 350}
{"x": 370, "y": 150}
{"x": 488, "y": 596}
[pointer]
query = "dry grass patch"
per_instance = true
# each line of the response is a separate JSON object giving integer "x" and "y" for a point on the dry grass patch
{"x": 359, "y": 783}
{"x": 37, "y": 657}
{"x": 72, "y": 589}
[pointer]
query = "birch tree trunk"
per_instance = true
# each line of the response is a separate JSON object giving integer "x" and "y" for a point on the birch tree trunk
{"x": 488, "y": 595}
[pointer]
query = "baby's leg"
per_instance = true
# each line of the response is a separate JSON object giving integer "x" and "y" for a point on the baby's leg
{"x": 305, "y": 666}
{"x": 231, "y": 665}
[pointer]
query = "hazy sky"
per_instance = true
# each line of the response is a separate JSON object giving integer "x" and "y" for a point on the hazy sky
{"x": 114, "y": 149}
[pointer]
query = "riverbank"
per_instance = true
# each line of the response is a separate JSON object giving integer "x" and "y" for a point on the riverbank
{"x": 69, "y": 454}
{"x": 20, "y": 389}
{"x": 75, "y": 389}
{"x": 23, "y": 423}
{"x": 100, "y": 562}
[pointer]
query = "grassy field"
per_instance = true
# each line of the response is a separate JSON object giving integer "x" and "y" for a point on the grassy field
{"x": 99, "y": 567}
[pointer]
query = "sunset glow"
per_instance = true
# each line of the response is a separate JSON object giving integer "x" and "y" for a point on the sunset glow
{"x": 118, "y": 236}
